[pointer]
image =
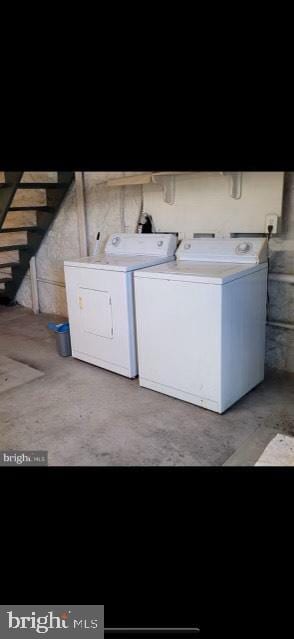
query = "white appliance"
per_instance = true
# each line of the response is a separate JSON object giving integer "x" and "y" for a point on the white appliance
{"x": 201, "y": 321}
{"x": 101, "y": 300}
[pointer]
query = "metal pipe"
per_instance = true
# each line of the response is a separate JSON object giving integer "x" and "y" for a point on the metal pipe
{"x": 81, "y": 209}
{"x": 122, "y": 201}
{"x": 34, "y": 286}
{"x": 45, "y": 281}
{"x": 282, "y": 277}
{"x": 40, "y": 279}
{"x": 289, "y": 327}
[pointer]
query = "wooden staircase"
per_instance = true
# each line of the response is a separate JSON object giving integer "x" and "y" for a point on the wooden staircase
{"x": 27, "y": 210}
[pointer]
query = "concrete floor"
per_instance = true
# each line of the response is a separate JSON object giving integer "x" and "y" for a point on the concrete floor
{"x": 86, "y": 416}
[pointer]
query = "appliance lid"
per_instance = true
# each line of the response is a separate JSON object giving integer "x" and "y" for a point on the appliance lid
{"x": 237, "y": 250}
{"x": 200, "y": 272}
{"x": 122, "y": 263}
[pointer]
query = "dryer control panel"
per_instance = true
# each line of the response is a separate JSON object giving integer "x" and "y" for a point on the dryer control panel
{"x": 161, "y": 244}
{"x": 251, "y": 250}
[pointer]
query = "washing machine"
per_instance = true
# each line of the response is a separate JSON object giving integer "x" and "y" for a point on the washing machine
{"x": 100, "y": 299}
{"x": 201, "y": 321}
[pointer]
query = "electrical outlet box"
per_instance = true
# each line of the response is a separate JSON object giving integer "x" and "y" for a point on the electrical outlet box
{"x": 271, "y": 220}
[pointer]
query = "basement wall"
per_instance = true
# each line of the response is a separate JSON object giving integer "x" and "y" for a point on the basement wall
{"x": 280, "y": 341}
{"x": 111, "y": 210}
{"x": 108, "y": 211}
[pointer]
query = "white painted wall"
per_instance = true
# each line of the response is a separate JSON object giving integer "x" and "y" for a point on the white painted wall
{"x": 112, "y": 210}
{"x": 203, "y": 203}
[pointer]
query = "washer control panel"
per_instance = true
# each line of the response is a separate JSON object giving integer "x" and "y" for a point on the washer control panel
{"x": 252, "y": 250}
{"x": 161, "y": 244}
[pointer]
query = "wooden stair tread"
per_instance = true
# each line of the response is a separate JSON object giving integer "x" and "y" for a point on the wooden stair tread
{"x": 14, "y": 247}
{"x": 31, "y": 207}
{"x": 26, "y": 221}
{"x": 15, "y": 229}
{"x": 35, "y": 185}
{"x": 42, "y": 185}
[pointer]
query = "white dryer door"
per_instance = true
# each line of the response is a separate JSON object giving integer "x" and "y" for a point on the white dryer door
{"x": 95, "y": 312}
{"x": 102, "y": 319}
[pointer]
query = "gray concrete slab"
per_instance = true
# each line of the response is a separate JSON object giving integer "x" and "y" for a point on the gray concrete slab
{"x": 250, "y": 451}
{"x": 13, "y": 373}
{"x": 84, "y": 415}
{"x": 279, "y": 452}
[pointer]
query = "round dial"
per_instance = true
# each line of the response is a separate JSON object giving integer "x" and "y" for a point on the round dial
{"x": 115, "y": 240}
{"x": 243, "y": 247}
{"x": 187, "y": 245}
{"x": 160, "y": 243}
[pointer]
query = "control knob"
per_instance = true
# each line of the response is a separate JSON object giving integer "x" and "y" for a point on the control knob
{"x": 244, "y": 247}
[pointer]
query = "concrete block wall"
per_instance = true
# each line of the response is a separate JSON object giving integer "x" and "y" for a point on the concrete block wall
{"x": 280, "y": 341}
{"x": 112, "y": 210}
{"x": 108, "y": 211}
